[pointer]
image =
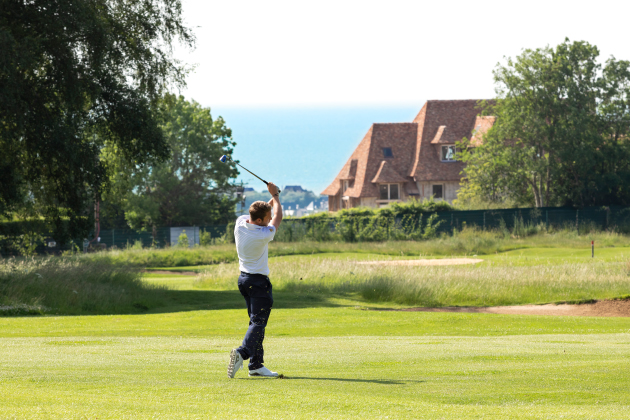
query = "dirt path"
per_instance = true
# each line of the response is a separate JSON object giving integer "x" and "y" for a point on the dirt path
{"x": 600, "y": 308}
{"x": 425, "y": 262}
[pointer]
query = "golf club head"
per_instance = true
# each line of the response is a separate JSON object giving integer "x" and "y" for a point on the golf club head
{"x": 223, "y": 158}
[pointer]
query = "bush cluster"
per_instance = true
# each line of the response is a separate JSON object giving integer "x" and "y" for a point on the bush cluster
{"x": 411, "y": 220}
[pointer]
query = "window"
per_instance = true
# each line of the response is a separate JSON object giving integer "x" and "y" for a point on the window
{"x": 388, "y": 191}
{"x": 393, "y": 191}
{"x": 448, "y": 153}
{"x": 383, "y": 190}
{"x": 387, "y": 152}
{"x": 437, "y": 191}
{"x": 345, "y": 186}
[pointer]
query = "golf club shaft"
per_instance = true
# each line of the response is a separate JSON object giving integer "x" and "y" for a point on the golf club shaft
{"x": 252, "y": 173}
{"x": 266, "y": 183}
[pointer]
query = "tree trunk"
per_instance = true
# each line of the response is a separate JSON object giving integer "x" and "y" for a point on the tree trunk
{"x": 548, "y": 181}
{"x": 534, "y": 185}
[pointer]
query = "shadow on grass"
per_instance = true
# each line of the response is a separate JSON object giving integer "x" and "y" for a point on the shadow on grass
{"x": 171, "y": 301}
{"x": 373, "y": 381}
{"x": 197, "y": 300}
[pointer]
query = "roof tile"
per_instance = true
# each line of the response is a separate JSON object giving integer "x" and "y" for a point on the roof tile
{"x": 387, "y": 174}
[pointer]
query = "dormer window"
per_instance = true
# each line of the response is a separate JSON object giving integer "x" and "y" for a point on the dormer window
{"x": 448, "y": 154}
{"x": 387, "y": 152}
{"x": 346, "y": 184}
{"x": 388, "y": 191}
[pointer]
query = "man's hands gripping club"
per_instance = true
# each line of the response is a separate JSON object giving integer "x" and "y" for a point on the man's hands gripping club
{"x": 275, "y": 202}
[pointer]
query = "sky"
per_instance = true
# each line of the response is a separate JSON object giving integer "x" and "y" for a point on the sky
{"x": 289, "y": 60}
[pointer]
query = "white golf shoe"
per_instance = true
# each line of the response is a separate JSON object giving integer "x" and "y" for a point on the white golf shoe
{"x": 263, "y": 371}
{"x": 236, "y": 362}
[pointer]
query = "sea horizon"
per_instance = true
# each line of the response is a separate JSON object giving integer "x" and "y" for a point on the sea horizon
{"x": 304, "y": 146}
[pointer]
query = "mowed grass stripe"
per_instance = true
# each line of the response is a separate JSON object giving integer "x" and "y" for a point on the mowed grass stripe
{"x": 538, "y": 256}
{"x": 539, "y": 376}
{"x": 307, "y": 322}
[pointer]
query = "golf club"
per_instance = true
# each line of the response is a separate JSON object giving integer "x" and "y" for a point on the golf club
{"x": 224, "y": 158}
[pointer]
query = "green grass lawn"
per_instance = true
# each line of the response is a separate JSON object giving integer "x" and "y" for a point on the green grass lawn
{"x": 343, "y": 353}
{"x": 537, "y": 256}
{"x": 339, "y": 362}
{"x": 523, "y": 256}
{"x": 466, "y": 242}
{"x": 342, "y": 357}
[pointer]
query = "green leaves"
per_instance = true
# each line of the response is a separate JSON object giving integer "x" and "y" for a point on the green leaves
{"x": 557, "y": 111}
{"x": 75, "y": 78}
{"x": 191, "y": 187}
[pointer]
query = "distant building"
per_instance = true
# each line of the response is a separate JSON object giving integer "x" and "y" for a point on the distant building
{"x": 395, "y": 162}
{"x": 295, "y": 188}
{"x": 300, "y": 212}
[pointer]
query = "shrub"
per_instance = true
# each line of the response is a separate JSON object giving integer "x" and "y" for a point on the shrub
{"x": 229, "y": 234}
{"x": 182, "y": 241}
{"x": 27, "y": 243}
{"x": 205, "y": 238}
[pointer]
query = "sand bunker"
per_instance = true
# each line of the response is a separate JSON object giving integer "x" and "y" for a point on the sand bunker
{"x": 600, "y": 308}
{"x": 440, "y": 261}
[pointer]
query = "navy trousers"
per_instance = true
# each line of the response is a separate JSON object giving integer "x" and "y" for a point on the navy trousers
{"x": 256, "y": 289}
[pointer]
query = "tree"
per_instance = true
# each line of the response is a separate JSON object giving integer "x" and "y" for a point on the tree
{"x": 192, "y": 187}
{"x": 561, "y": 131}
{"x": 76, "y": 77}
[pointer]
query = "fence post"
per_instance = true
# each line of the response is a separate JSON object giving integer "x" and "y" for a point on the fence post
{"x": 577, "y": 222}
{"x": 484, "y": 220}
{"x": 113, "y": 237}
{"x": 547, "y": 219}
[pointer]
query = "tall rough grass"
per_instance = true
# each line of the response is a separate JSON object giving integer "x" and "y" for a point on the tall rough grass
{"x": 485, "y": 285}
{"x": 466, "y": 242}
{"x": 61, "y": 286}
{"x": 169, "y": 257}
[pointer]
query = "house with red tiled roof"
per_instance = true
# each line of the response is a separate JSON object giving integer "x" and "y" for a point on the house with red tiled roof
{"x": 395, "y": 162}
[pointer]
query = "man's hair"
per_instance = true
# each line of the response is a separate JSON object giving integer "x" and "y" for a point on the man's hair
{"x": 258, "y": 210}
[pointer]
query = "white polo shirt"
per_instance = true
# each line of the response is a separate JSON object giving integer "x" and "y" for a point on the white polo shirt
{"x": 251, "y": 246}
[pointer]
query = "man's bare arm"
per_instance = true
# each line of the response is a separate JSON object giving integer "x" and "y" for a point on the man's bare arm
{"x": 277, "y": 207}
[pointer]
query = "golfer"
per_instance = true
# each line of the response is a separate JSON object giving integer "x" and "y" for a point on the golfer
{"x": 253, "y": 235}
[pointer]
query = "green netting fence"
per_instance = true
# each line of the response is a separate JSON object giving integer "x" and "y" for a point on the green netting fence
{"x": 351, "y": 228}
{"x": 427, "y": 225}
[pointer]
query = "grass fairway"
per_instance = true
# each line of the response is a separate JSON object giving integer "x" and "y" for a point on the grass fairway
{"x": 343, "y": 357}
{"x": 543, "y": 376}
{"x": 537, "y": 256}
{"x": 339, "y": 362}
